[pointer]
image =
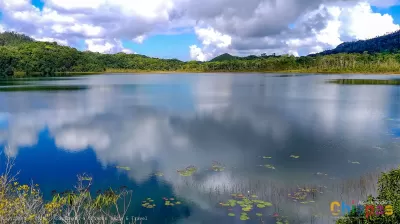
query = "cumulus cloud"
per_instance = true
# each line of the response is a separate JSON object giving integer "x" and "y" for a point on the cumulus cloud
{"x": 234, "y": 26}
{"x": 315, "y": 30}
{"x": 213, "y": 43}
{"x": 106, "y": 46}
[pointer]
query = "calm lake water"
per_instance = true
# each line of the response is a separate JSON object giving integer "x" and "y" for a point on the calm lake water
{"x": 340, "y": 135}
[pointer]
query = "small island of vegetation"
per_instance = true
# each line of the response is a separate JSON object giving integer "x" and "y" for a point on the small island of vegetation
{"x": 23, "y": 56}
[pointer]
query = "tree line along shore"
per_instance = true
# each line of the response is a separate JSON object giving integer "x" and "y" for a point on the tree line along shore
{"x": 22, "y": 56}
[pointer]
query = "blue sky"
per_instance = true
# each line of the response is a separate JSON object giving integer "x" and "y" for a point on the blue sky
{"x": 38, "y": 4}
{"x": 165, "y": 46}
{"x": 209, "y": 30}
{"x": 394, "y": 11}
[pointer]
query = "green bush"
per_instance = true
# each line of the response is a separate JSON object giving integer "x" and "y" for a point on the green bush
{"x": 388, "y": 191}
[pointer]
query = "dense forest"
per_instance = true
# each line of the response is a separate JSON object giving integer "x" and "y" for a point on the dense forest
{"x": 21, "y": 55}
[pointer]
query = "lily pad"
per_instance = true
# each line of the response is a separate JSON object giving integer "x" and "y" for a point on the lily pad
{"x": 246, "y": 204}
{"x": 188, "y": 171}
{"x": 267, "y": 157}
{"x": 294, "y": 156}
{"x": 269, "y": 166}
{"x": 258, "y": 214}
{"x": 148, "y": 203}
{"x": 244, "y": 218}
{"x": 231, "y": 214}
{"x": 217, "y": 167}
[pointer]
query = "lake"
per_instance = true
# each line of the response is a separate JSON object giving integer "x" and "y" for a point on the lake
{"x": 260, "y": 135}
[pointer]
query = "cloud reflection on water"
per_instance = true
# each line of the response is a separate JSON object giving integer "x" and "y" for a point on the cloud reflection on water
{"x": 165, "y": 125}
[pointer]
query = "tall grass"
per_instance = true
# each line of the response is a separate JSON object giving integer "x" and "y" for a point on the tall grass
{"x": 25, "y": 204}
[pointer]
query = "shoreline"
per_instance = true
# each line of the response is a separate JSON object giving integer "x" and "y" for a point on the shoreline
{"x": 135, "y": 72}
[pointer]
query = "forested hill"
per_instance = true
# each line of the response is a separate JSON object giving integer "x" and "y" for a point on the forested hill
{"x": 21, "y": 55}
{"x": 386, "y": 43}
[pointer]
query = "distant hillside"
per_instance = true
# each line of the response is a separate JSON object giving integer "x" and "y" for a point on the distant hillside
{"x": 12, "y": 38}
{"x": 21, "y": 55}
{"x": 224, "y": 57}
{"x": 228, "y": 57}
{"x": 386, "y": 43}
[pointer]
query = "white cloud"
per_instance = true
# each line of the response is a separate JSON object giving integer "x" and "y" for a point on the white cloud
{"x": 197, "y": 54}
{"x": 236, "y": 26}
{"x": 106, "y": 46}
{"x": 360, "y": 22}
{"x": 139, "y": 39}
{"x": 213, "y": 43}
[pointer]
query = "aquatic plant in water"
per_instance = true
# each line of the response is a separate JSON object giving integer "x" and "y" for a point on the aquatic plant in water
{"x": 282, "y": 220}
{"x": 303, "y": 195}
{"x": 353, "y": 162}
{"x": 217, "y": 167}
{"x": 123, "y": 167}
{"x": 148, "y": 203}
{"x": 269, "y": 166}
{"x": 294, "y": 156}
{"x": 171, "y": 202}
{"x": 247, "y": 204}
{"x": 188, "y": 171}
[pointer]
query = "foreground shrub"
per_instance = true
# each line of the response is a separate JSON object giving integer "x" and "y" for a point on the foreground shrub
{"x": 388, "y": 191}
{"x": 25, "y": 203}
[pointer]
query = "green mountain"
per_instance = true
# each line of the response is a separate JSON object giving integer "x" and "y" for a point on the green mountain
{"x": 224, "y": 57}
{"x": 387, "y": 43}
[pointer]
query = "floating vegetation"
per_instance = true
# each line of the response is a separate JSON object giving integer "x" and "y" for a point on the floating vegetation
{"x": 123, "y": 167}
{"x": 365, "y": 81}
{"x": 269, "y": 166}
{"x": 353, "y": 162}
{"x": 188, "y": 171}
{"x": 148, "y": 203}
{"x": 266, "y": 157}
{"x": 295, "y": 157}
{"x": 217, "y": 167}
{"x": 231, "y": 214}
{"x": 171, "y": 202}
{"x": 244, "y": 216}
{"x": 282, "y": 220}
{"x": 303, "y": 195}
{"x": 246, "y": 204}
{"x": 159, "y": 174}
